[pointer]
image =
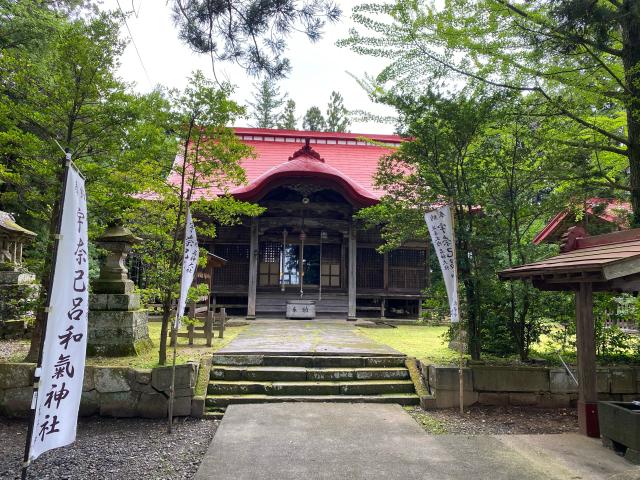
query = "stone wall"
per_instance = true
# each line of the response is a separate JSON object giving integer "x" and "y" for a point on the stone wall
{"x": 523, "y": 386}
{"x": 107, "y": 391}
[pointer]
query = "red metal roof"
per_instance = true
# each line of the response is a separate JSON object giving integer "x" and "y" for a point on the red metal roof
{"x": 610, "y": 213}
{"x": 350, "y": 161}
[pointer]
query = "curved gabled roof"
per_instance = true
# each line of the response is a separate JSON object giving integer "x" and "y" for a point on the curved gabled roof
{"x": 345, "y": 161}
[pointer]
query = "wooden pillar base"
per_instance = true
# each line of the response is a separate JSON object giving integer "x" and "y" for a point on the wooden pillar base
{"x": 588, "y": 419}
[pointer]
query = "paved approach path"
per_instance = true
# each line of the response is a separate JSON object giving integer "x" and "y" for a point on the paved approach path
{"x": 308, "y": 441}
{"x": 304, "y": 337}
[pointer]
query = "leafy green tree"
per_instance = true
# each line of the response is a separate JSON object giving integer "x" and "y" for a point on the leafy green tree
{"x": 209, "y": 161}
{"x": 267, "y": 100}
{"x": 59, "y": 91}
{"x": 578, "y": 60}
{"x": 253, "y": 33}
{"x": 313, "y": 120}
{"x": 288, "y": 120}
{"x": 337, "y": 114}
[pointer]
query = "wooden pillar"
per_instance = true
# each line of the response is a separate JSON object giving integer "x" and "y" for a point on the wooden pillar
{"x": 253, "y": 270}
{"x": 353, "y": 254}
{"x": 385, "y": 271}
{"x": 585, "y": 342}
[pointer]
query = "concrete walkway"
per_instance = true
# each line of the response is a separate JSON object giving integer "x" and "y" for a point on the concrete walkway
{"x": 304, "y": 337}
{"x": 290, "y": 441}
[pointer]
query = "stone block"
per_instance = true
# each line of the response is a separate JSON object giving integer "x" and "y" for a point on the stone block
{"x": 143, "y": 375}
{"x": 186, "y": 376}
{"x": 623, "y": 380}
{"x": 603, "y": 380}
{"x": 89, "y": 403}
{"x": 112, "y": 379}
{"x": 523, "y": 399}
{"x": 630, "y": 397}
{"x": 427, "y": 402}
{"x": 451, "y": 398}
{"x": 9, "y": 277}
{"x": 182, "y": 407}
{"x": 561, "y": 382}
{"x": 510, "y": 379}
{"x": 119, "y": 404}
{"x": 14, "y": 375}
{"x": 98, "y": 301}
{"x": 152, "y": 405}
{"x": 113, "y": 286}
{"x": 88, "y": 381}
{"x": 496, "y": 399}
{"x": 554, "y": 400}
{"x": 16, "y": 402}
{"x": 197, "y": 406}
{"x": 115, "y": 301}
{"x": 447, "y": 378}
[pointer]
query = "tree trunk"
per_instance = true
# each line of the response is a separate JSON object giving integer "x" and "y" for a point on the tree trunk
{"x": 631, "y": 60}
{"x": 43, "y": 300}
{"x": 473, "y": 320}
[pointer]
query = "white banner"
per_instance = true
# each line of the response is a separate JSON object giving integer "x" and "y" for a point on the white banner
{"x": 63, "y": 355}
{"x": 189, "y": 265}
{"x": 440, "y": 223}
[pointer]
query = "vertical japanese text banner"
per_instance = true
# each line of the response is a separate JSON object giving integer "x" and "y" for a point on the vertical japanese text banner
{"x": 63, "y": 355}
{"x": 440, "y": 224}
{"x": 189, "y": 265}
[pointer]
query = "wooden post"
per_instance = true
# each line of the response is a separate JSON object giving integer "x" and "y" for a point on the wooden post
{"x": 208, "y": 326}
{"x": 253, "y": 271}
{"x": 585, "y": 342}
{"x": 385, "y": 271}
{"x": 382, "y": 305}
{"x": 353, "y": 253}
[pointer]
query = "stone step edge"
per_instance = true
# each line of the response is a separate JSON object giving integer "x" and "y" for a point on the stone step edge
{"x": 401, "y": 398}
{"x": 309, "y": 361}
{"x": 279, "y": 368}
{"x": 319, "y": 383}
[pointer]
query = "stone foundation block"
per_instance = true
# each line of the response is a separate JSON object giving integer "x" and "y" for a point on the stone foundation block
{"x": 495, "y": 399}
{"x": 561, "y": 382}
{"x": 197, "y": 406}
{"x": 451, "y": 398}
{"x": 112, "y": 379}
{"x": 89, "y": 403}
{"x": 13, "y": 375}
{"x": 114, "y": 301}
{"x": 447, "y": 378}
{"x": 523, "y": 399}
{"x": 119, "y": 404}
{"x": 510, "y": 379}
{"x": 186, "y": 376}
{"x": 152, "y": 405}
{"x": 623, "y": 380}
{"x": 603, "y": 381}
{"x": 182, "y": 406}
{"x": 554, "y": 400}
{"x": 16, "y": 402}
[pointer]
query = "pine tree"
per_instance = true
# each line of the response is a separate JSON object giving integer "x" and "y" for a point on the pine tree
{"x": 337, "y": 114}
{"x": 288, "y": 119}
{"x": 313, "y": 120}
{"x": 266, "y": 105}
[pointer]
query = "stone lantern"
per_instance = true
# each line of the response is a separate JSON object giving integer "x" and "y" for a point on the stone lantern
{"x": 18, "y": 290}
{"x": 117, "y": 324}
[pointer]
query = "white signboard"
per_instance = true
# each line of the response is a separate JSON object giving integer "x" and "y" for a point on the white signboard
{"x": 189, "y": 265}
{"x": 63, "y": 355}
{"x": 440, "y": 223}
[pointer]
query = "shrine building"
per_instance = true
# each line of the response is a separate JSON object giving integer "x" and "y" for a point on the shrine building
{"x": 306, "y": 244}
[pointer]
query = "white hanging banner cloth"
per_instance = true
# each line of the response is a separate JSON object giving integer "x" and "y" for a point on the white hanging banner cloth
{"x": 63, "y": 356}
{"x": 189, "y": 265}
{"x": 440, "y": 224}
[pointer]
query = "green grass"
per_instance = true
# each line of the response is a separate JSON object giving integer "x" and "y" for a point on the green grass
{"x": 429, "y": 423}
{"x": 426, "y": 343}
{"x": 149, "y": 359}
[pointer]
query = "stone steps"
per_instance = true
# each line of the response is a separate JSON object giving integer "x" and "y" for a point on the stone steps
{"x": 235, "y": 387}
{"x": 254, "y": 378}
{"x": 220, "y": 401}
{"x": 310, "y": 374}
{"x": 308, "y": 361}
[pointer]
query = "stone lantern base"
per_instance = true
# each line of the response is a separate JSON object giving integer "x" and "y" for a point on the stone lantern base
{"x": 117, "y": 325}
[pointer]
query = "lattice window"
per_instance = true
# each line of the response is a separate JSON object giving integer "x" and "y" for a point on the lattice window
{"x": 236, "y": 271}
{"x": 269, "y": 269}
{"x": 407, "y": 269}
{"x": 330, "y": 267}
{"x": 369, "y": 269}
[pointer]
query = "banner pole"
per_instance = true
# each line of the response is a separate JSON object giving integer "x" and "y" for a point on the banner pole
{"x": 460, "y": 346}
{"x": 66, "y": 163}
{"x": 174, "y": 335}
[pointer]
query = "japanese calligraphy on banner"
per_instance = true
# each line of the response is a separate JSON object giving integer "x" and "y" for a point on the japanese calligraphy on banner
{"x": 63, "y": 355}
{"x": 189, "y": 265}
{"x": 440, "y": 224}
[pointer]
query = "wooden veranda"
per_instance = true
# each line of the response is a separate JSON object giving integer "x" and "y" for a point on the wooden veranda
{"x": 609, "y": 263}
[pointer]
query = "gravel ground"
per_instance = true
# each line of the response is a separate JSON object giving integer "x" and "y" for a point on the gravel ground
{"x": 497, "y": 420}
{"x": 112, "y": 449}
{"x": 13, "y": 350}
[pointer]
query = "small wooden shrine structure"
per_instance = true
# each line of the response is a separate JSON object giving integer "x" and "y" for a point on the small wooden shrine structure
{"x": 609, "y": 262}
{"x": 12, "y": 239}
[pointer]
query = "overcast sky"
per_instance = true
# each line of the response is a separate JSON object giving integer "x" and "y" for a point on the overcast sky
{"x": 317, "y": 68}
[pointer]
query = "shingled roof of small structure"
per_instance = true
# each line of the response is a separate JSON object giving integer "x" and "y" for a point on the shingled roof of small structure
{"x": 8, "y": 226}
